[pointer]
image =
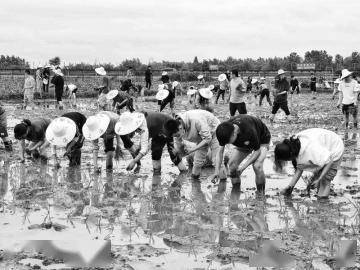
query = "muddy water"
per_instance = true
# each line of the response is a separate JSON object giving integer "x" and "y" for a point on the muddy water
{"x": 168, "y": 221}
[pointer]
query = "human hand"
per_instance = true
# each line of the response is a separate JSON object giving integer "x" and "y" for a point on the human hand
{"x": 131, "y": 165}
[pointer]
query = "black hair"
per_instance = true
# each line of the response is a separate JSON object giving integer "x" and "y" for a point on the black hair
{"x": 235, "y": 72}
{"x": 292, "y": 76}
{"x": 21, "y": 129}
{"x": 287, "y": 150}
{"x": 27, "y": 71}
{"x": 165, "y": 78}
{"x": 171, "y": 126}
{"x": 224, "y": 132}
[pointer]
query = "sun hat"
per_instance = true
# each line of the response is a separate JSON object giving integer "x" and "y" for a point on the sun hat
{"x": 191, "y": 92}
{"x": 262, "y": 78}
{"x": 337, "y": 80}
{"x": 200, "y": 77}
{"x": 129, "y": 122}
{"x": 254, "y": 81}
{"x": 112, "y": 94}
{"x": 280, "y": 71}
{"x": 222, "y": 77}
{"x": 206, "y": 93}
{"x": 164, "y": 73}
{"x": 345, "y": 73}
{"x": 175, "y": 83}
{"x": 162, "y": 94}
{"x": 57, "y": 71}
{"x": 211, "y": 86}
{"x": 61, "y": 131}
{"x": 71, "y": 87}
{"x": 95, "y": 126}
{"x": 101, "y": 71}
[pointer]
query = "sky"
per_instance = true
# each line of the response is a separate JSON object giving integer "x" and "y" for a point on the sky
{"x": 110, "y": 31}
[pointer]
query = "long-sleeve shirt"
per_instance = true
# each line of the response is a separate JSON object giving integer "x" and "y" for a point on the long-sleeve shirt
{"x": 29, "y": 85}
{"x": 199, "y": 125}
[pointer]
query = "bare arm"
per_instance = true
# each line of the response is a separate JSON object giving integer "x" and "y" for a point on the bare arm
{"x": 253, "y": 157}
{"x": 296, "y": 177}
{"x": 22, "y": 149}
{"x": 340, "y": 99}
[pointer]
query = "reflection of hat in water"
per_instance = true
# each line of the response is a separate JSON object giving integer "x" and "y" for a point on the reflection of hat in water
{"x": 222, "y": 77}
{"x": 112, "y": 94}
{"x": 61, "y": 131}
{"x": 345, "y": 73}
{"x": 206, "y": 93}
{"x": 101, "y": 71}
{"x": 162, "y": 94}
{"x": 129, "y": 122}
{"x": 95, "y": 126}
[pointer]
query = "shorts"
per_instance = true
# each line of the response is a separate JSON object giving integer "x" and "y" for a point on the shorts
{"x": 283, "y": 106}
{"x": 350, "y": 109}
{"x": 240, "y": 107}
{"x": 3, "y": 124}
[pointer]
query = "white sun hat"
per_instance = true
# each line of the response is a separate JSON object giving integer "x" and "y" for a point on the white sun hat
{"x": 112, "y": 94}
{"x": 345, "y": 73}
{"x": 211, "y": 86}
{"x": 101, "y": 71}
{"x": 164, "y": 73}
{"x": 129, "y": 122}
{"x": 191, "y": 92}
{"x": 280, "y": 71}
{"x": 57, "y": 71}
{"x": 337, "y": 80}
{"x": 200, "y": 77}
{"x": 71, "y": 87}
{"x": 206, "y": 93}
{"x": 95, "y": 126}
{"x": 162, "y": 94}
{"x": 175, "y": 83}
{"x": 254, "y": 81}
{"x": 61, "y": 131}
{"x": 222, "y": 77}
{"x": 262, "y": 78}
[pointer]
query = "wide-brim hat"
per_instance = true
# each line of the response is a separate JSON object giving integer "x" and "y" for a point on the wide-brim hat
{"x": 57, "y": 71}
{"x": 206, "y": 93}
{"x": 129, "y": 122}
{"x": 61, "y": 131}
{"x": 164, "y": 73}
{"x": 71, "y": 87}
{"x": 280, "y": 72}
{"x": 337, "y": 80}
{"x": 101, "y": 71}
{"x": 211, "y": 87}
{"x": 262, "y": 78}
{"x": 162, "y": 94}
{"x": 200, "y": 77}
{"x": 95, "y": 126}
{"x": 175, "y": 83}
{"x": 191, "y": 92}
{"x": 254, "y": 81}
{"x": 112, "y": 94}
{"x": 345, "y": 73}
{"x": 222, "y": 77}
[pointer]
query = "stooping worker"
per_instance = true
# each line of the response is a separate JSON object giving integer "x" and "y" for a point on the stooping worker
{"x": 66, "y": 131}
{"x": 103, "y": 89}
{"x": 150, "y": 126}
{"x": 72, "y": 89}
{"x": 250, "y": 136}
{"x": 203, "y": 99}
{"x": 162, "y": 96}
{"x": 196, "y": 126}
{"x": 120, "y": 100}
{"x": 34, "y": 132}
{"x": 316, "y": 150}
{"x": 102, "y": 125}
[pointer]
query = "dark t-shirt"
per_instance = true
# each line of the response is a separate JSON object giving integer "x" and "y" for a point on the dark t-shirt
{"x": 121, "y": 97}
{"x": 37, "y": 130}
{"x": 280, "y": 86}
{"x": 253, "y": 132}
{"x": 148, "y": 75}
{"x": 313, "y": 80}
{"x": 294, "y": 83}
{"x": 78, "y": 118}
{"x": 155, "y": 122}
{"x": 58, "y": 81}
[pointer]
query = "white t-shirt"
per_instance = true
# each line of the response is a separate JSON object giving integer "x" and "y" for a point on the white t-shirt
{"x": 237, "y": 90}
{"x": 349, "y": 91}
{"x": 318, "y": 146}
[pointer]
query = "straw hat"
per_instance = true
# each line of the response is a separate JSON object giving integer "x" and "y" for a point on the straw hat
{"x": 211, "y": 86}
{"x": 129, "y": 122}
{"x": 280, "y": 71}
{"x": 337, "y": 81}
{"x": 164, "y": 73}
{"x": 175, "y": 83}
{"x": 57, "y": 71}
{"x": 345, "y": 73}
{"x": 95, "y": 126}
{"x": 191, "y": 92}
{"x": 200, "y": 77}
{"x": 61, "y": 131}
{"x": 206, "y": 93}
{"x": 71, "y": 87}
{"x": 262, "y": 78}
{"x": 254, "y": 81}
{"x": 222, "y": 77}
{"x": 112, "y": 94}
{"x": 101, "y": 71}
{"x": 162, "y": 94}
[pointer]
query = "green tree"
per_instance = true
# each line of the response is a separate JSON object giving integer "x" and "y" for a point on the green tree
{"x": 55, "y": 61}
{"x": 321, "y": 59}
{"x": 338, "y": 62}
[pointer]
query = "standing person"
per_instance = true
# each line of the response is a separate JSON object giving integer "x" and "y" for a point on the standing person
{"x": 66, "y": 131}
{"x": 102, "y": 125}
{"x": 58, "y": 82}
{"x": 313, "y": 84}
{"x": 264, "y": 91}
{"x": 29, "y": 89}
{"x": 316, "y": 150}
{"x": 3, "y": 130}
{"x": 148, "y": 77}
{"x": 201, "y": 81}
{"x": 294, "y": 83}
{"x": 196, "y": 126}
{"x": 348, "y": 92}
{"x": 282, "y": 86}
{"x": 237, "y": 90}
{"x": 228, "y": 75}
{"x": 38, "y": 78}
{"x": 150, "y": 126}
{"x": 250, "y": 136}
{"x": 34, "y": 132}
{"x": 46, "y": 78}
{"x": 224, "y": 87}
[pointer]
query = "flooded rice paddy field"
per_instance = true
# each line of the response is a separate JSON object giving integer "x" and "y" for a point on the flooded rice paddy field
{"x": 168, "y": 221}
